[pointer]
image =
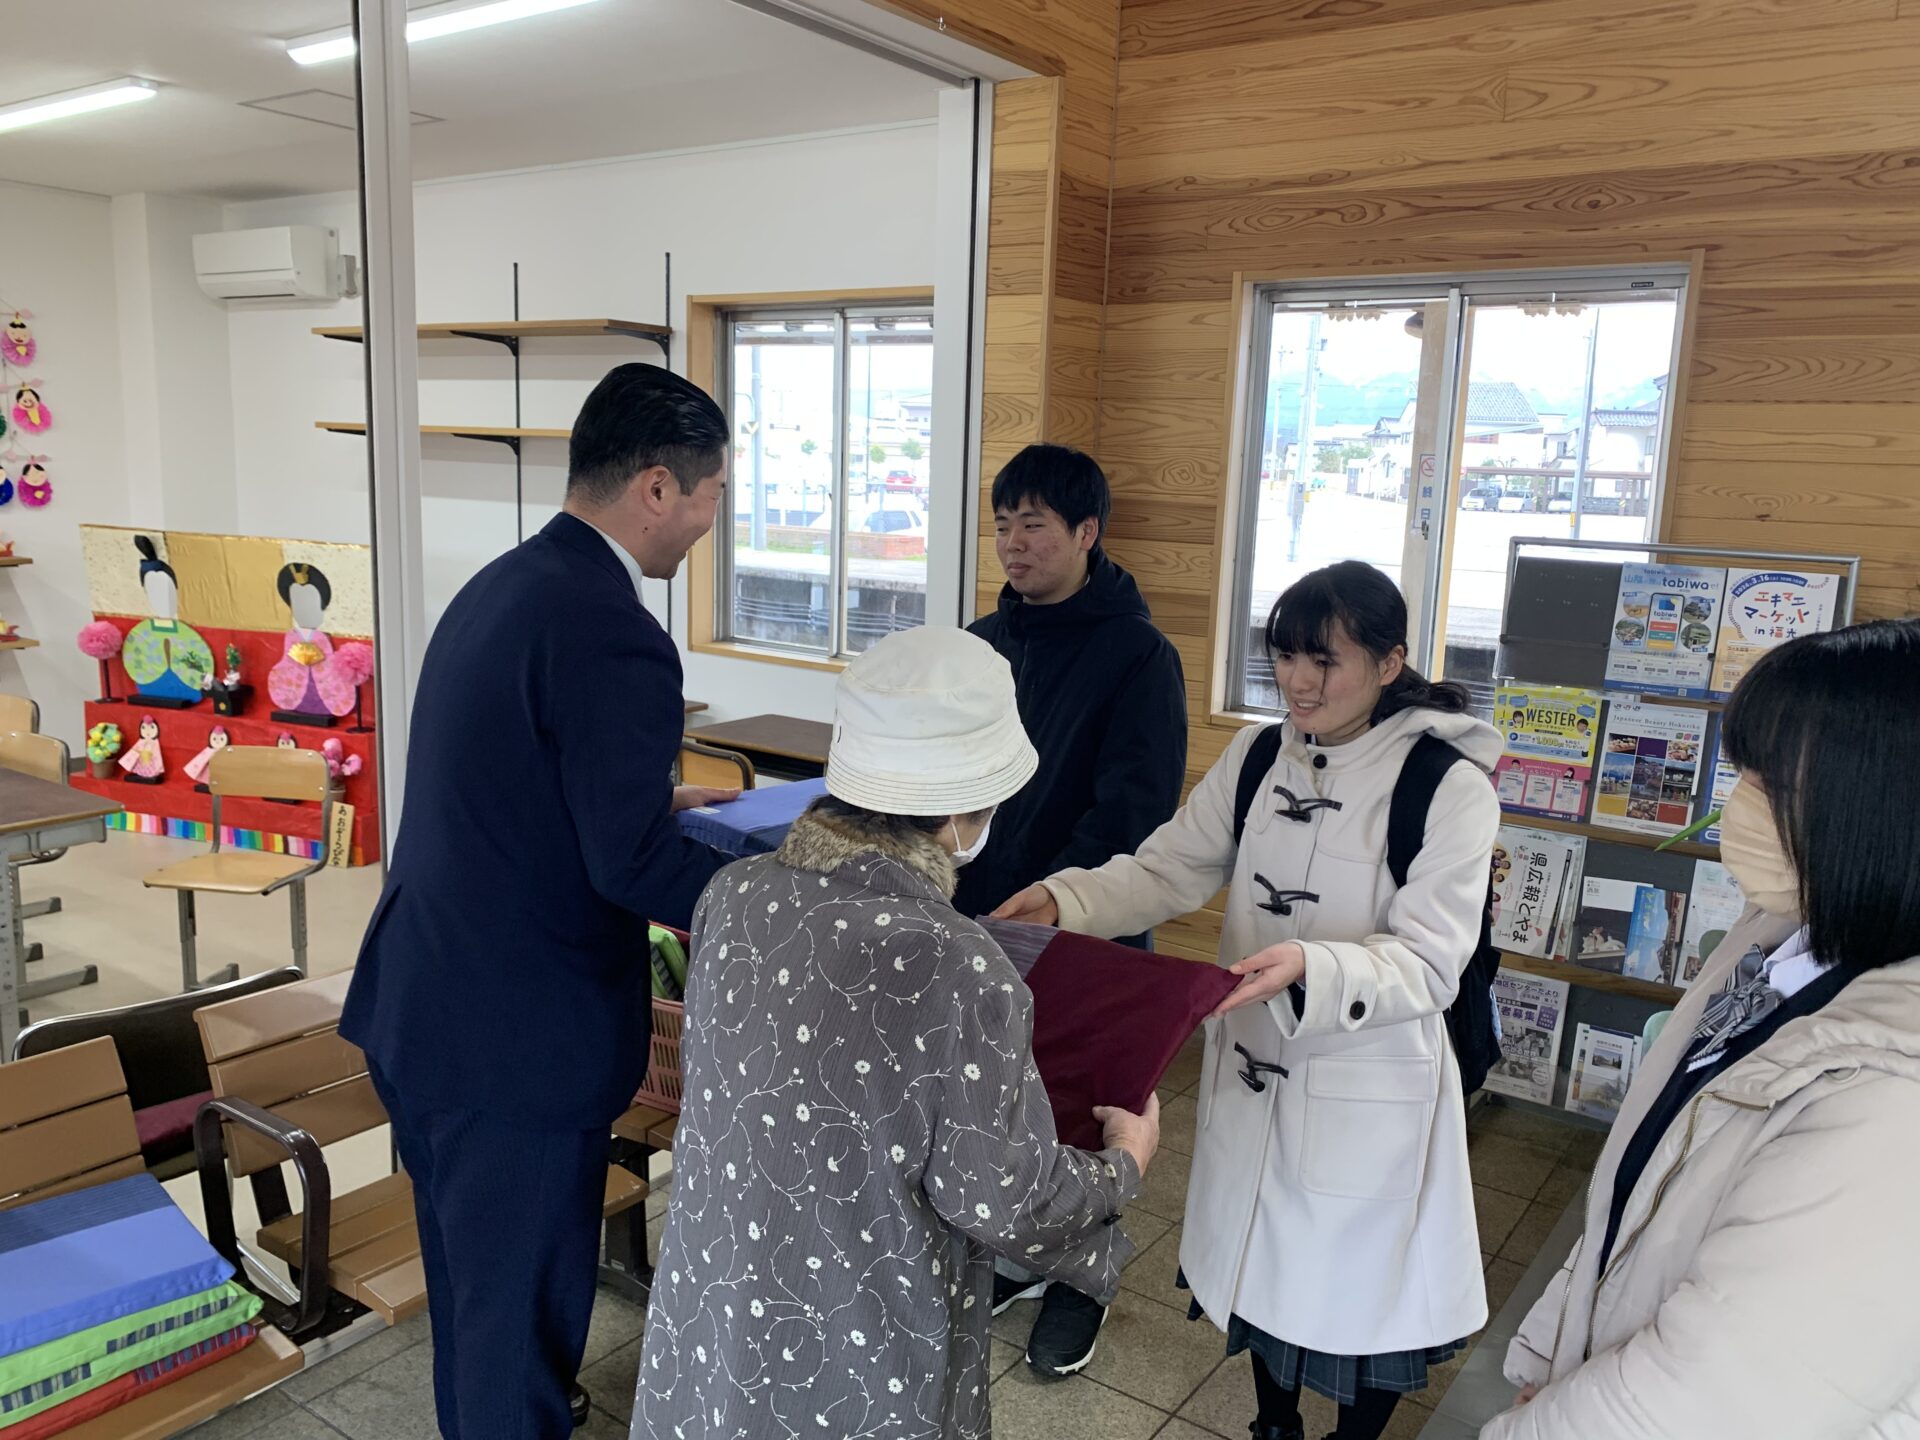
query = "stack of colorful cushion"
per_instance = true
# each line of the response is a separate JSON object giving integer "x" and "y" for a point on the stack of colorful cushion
{"x": 105, "y": 1294}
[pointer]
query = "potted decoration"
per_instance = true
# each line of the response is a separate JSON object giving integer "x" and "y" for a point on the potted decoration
{"x": 103, "y": 743}
{"x": 101, "y": 640}
{"x": 353, "y": 662}
{"x": 229, "y": 694}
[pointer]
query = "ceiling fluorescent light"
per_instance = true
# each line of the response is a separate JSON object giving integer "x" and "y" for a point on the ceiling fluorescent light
{"x": 76, "y": 102}
{"x": 429, "y": 22}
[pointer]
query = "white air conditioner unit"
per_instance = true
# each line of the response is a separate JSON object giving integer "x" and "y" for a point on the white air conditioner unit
{"x": 285, "y": 262}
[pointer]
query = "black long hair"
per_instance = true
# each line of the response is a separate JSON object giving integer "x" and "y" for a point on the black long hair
{"x": 1369, "y": 607}
{"x": 1830, "y": 725}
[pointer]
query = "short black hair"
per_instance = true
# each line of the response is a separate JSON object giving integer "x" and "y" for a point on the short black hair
{"x": 316, "y": 577}
{"x": 1068, "y": 482}
{"x": 1827, "y": 725}
{"x": 638, "y": 417}
{"x": 1367, "y": 605}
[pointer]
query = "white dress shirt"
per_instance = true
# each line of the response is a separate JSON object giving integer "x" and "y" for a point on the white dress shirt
{"x": 621, "y": 554}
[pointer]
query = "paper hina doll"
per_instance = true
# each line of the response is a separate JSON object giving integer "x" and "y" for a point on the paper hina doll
{"x": 164, "y": 656}
{"x": 143, "y": 762}
{"x": 29, "y": 412}
{"x": 17, "y": 344}
{"x": 196, "y": 768}
{"x": 307, "y": 685}
{"x": 35, "y": 488}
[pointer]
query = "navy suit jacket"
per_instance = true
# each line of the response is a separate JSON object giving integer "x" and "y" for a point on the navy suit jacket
{"x": 505, "y": 966}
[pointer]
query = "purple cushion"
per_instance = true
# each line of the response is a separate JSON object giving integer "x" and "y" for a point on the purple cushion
{"x": 168, "y": 1127}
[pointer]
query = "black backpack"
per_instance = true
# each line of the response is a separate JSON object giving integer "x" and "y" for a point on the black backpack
{"x": 1470, "y": 1023}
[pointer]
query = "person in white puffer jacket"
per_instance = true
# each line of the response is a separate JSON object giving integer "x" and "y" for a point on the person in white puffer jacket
{"x": 1330, "y": 1224}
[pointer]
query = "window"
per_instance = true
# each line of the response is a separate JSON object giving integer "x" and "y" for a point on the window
{"x": 832, "y": 427}
{"x": 1423, "y": 426}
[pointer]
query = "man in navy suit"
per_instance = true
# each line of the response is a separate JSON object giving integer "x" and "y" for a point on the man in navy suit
{"x": 502, "y": 995}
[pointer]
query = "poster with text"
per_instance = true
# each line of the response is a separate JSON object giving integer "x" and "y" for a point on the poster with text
{"x": 1532, "y": 1012}
{"x": 1628, "y": 928}
{"x": 1530, "y": 874}
{"x": 1549, "y": 734}
{"x": 1721, "y": 778}
{"x": 1765, "y": 609}
{"x": 1649, "y": 767}
{"x": 1664, "y": 629}
{"x": 1712, "y": 909}
{"x": 1603, "y": 1066}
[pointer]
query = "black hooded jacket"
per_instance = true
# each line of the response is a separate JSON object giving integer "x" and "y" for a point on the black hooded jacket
{"x": 1104, "y": 702}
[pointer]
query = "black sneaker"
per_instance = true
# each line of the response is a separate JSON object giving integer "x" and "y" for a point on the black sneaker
{"x": 1063, "y": 1337}
{"x": 1008, "y": 1292}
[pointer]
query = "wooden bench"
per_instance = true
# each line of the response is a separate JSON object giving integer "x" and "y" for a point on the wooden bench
{"x": 66, "y": 1124}
{"x": 287, "y": 1085}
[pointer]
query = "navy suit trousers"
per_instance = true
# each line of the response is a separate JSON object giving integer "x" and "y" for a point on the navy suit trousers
{"x": 510, "y": 1240}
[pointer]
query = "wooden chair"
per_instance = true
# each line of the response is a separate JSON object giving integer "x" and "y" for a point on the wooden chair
{"x": 704, "y": 764}
{"x": 44, "y": 758}
{"x": 286, "y": 1085}
{"x": 250, "y": 772}
{"x": 19, "y": 713}
{"x": 65, "y": 1124}
{"x": 160, "y": 1054}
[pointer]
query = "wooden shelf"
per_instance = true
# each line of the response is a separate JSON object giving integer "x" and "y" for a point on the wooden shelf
{"x": 1592, "y": 979}
{"x": 498, "y": 330}
{"x": 471, "y": 432}
{"x": 1609, "y": 835}
{"x": 8, "y": 562}
{"x": 19, "y": 644}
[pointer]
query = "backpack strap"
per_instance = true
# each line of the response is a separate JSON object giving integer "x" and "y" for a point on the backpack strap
{"x": 1425, "y": 767}
{"x": 1254, "y": 766}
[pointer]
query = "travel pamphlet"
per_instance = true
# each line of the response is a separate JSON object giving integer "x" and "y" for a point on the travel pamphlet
{"x": 1712, "y": 909}
{"x": 1649, "y": 767}
{"x": 1767, "y": 608}
{"x": 1603, "y": 1066}
{"x": 1722, "y": 777}
{"x": 1550, "y": 733}
{"x": 1532, "y": 1013}
{"x": 1632, "y": 929}
{"x": 1531, "y": 873}
{"x": 1664, "y": 629}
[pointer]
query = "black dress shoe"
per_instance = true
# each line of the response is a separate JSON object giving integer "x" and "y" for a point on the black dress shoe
{"x": 578, "y": 1402}
{"x": 1296, "y": 1431}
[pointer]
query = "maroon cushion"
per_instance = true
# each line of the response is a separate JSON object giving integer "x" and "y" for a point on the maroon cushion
{"x": 1107, "y": 1019}
{"x": 168, "y": 1127}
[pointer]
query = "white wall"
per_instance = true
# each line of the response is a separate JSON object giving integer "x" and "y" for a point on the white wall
{"x": 838, "y": 212}
{"x": 57, "y": 261}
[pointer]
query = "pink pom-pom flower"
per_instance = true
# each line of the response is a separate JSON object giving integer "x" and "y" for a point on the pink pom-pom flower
{"x": 354, "y": 661}
{"x": 100, "y": 639}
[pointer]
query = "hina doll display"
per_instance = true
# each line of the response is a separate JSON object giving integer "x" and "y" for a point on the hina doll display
{"x": 308, "y": 686}
{"x": 196, "y": 768}
{"x": 164, "y": 656}
{"x": 143, "y": 761}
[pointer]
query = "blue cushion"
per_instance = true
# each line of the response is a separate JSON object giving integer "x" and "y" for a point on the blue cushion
{"x": 83, "y": 1259}
{"x": 756, "y": 823}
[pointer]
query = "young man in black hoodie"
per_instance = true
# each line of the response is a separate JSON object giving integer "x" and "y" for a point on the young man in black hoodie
{"x": 1103, "y": 699}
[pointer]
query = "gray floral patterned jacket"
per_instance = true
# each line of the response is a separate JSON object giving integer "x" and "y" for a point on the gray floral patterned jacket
{"x": 863, "y": 1130}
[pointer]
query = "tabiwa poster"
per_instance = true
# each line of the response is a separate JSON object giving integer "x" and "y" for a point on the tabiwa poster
{"x": 1649, "y": 767}
{"x": 1767, "y": 608}
{"x": 1664, "y": 629}
{"x": 1550, "y": 733}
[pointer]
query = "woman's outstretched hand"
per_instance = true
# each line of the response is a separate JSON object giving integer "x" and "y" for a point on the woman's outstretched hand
{"x": 1138, "y": 1135}
{"x": 1034, "y": 905}
{"x": 1265, "y": 975}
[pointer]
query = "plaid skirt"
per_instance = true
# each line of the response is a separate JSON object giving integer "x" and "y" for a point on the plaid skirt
{"x": 1340, "y": 1378}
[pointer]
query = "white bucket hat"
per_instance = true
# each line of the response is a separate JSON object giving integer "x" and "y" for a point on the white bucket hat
{"x": 925, "y": 723}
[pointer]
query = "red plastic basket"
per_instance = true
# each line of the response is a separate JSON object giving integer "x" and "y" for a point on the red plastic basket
{"x": 661, "y": 1088}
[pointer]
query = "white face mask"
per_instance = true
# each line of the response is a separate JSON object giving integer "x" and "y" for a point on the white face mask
{"x": 1750, "y": 848}
{"x": 965, "y": 857}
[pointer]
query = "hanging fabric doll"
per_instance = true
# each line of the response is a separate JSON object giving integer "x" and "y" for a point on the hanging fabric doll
{"x": 17, "y": 344}
{"x": 10, "y": 459}
{"x": 165, "y": 656}
{"x": 308, "y": 685}
{"x": 35, "y": 489}
{"x": 143, "y": 763}
{"x": 29, "y": 412}
{"x": 197, "y": 767}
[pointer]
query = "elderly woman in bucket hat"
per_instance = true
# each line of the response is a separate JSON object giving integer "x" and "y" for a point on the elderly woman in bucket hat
{"x": 864, "y": 1129}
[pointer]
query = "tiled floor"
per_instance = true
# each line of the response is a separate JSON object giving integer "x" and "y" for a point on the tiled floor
{"x": 1155, "y": 1374}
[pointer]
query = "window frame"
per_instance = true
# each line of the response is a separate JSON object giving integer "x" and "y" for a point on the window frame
{"x": 1429, "y": 541}
{"x": 710, "y": 571}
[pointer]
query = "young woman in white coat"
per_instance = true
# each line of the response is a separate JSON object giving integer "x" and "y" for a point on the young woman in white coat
{"x": 1750, "y": 1262}
{"x": 1330, "y": 1225}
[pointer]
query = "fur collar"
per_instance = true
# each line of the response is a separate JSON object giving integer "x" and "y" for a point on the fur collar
{"x": 823, "y": 843}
